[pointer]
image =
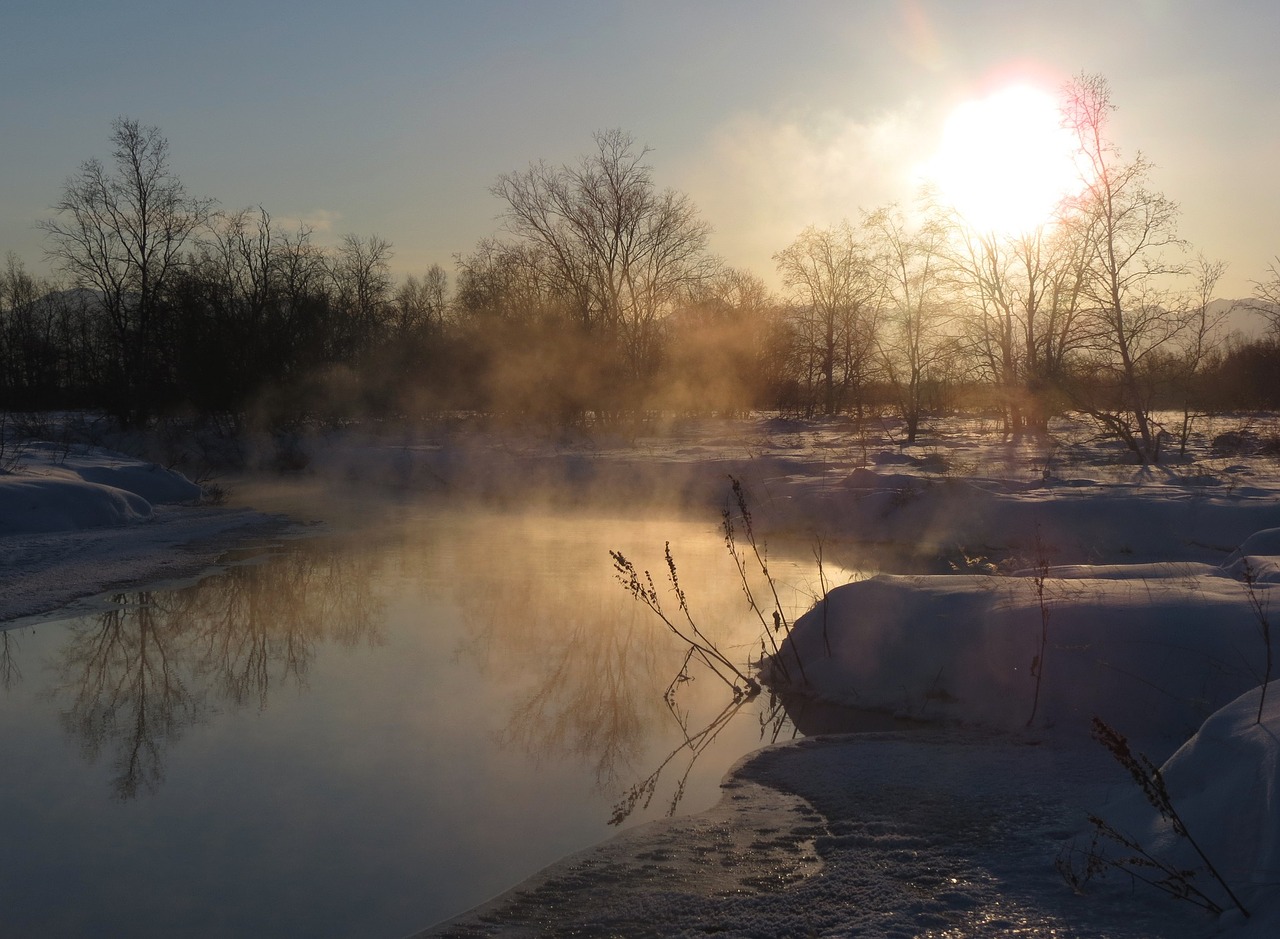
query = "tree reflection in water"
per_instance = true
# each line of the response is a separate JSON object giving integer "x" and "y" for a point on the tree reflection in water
{"x": 586, "y": 669}
{"x": 138, "y": 674}
{"x": 123, "y": 669}
{"x": 595, "y": 672}
{"x": 10, "y": 674}
{"x": 578, "y": 668}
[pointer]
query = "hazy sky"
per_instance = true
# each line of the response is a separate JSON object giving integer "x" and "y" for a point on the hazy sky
{"x": 394, "y": 118}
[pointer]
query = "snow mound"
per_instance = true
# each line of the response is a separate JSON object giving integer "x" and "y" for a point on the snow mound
{"x": 1224, "y": 784}
{"x": 1258, "y": 558}
{"x": 52, "y": 493}
{"x": 29, "y": 505}
{"x": 1153, "y": 648}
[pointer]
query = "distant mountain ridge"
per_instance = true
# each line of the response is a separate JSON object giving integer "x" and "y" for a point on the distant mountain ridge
{"x": 1248, "y": 317}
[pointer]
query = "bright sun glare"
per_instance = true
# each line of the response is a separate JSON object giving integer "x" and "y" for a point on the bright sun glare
{"x": 1005, "y": 161}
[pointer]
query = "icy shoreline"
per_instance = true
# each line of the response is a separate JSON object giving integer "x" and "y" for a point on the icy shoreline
{"x": 1070, "y": 591}
{"x": 74, "y": 525}
{"x": 876, "y": 835}
{"x": 62, "y": 572}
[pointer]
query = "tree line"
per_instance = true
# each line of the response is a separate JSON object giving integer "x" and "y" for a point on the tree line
{"x": 599, "y": 299}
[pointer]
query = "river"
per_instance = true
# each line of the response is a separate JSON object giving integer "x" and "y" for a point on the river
{"x": 371, "y": 728}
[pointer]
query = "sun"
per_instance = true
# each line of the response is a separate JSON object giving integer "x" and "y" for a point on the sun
{"x": 1005, "y": 162}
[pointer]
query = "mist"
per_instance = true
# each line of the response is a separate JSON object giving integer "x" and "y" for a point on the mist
{"x": 591, "y": 529}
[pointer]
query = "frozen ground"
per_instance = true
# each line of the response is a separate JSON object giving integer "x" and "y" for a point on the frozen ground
{"x": 1011, "y": 594}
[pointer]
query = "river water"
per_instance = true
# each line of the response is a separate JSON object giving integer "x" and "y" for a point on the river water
{"x": 369, "y": 729}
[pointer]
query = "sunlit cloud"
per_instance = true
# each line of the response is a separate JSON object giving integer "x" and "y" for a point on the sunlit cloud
{"x": 761, "y": 179}
{"x": 320, "y": 222}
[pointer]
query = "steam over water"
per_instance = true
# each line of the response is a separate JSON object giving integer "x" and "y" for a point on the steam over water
{"x": 362, "y": 732}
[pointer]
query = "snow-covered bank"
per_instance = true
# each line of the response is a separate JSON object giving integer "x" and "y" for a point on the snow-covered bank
{"x": 76, "y": 523}
{"x": 57, "y": 489}
{"x": 870, "y": 835}
{"x": 1056, "y": 590}
{"x": 1153, "y": 648}
{"x": 1224, "y": 784}
{"x": 1073, "y": 588}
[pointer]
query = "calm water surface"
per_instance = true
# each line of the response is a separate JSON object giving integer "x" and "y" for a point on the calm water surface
{"x": 362, "y": 732}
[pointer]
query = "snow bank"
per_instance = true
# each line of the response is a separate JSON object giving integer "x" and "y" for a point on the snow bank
{"x": 1224, "y": 784}
{"x": 1081, "y": 519}
{"x": 51, "y": 491}
{"x": 1258, "y": 558}
{"x": 1152, "y": 648}
{"x": 70, "y": 527}
{"x": 52, "y": 504}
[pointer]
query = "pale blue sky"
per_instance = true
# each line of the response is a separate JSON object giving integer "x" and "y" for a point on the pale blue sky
{"x": 393, "y": 118}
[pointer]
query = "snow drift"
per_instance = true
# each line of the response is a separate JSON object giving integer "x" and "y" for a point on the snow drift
{"x": 53, "y": 491}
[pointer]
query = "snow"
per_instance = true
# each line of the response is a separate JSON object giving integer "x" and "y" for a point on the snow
{"x": 1225, "y": 788}
{"x": 1156, "y": 648}
{"x": 1145, "y": 585}
{"x": 75, "y": 522}
{"x": 1038, "y": 588}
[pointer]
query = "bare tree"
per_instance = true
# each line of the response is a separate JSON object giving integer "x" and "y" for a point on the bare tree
{"x": 33, "y": 344}
{"x": 233, "y": 334}
{"x": 120, "y": 232}
{"x": 361, "y": 279}
{"x": 1129, "y": 233}
{"x": 420, "y": 304}
{"x": 915, "y": 347}
{"x": 997, "y": 304}
{"x": 836, "y": 294}
{"x": 618, "y": 250}
{"x": 1202, "y": 339}
{"x": 717, "y": 357}
{"x": 1021, "y": 300}
{"x": 1266, "y": 297}
{"x": 501, "y": 282}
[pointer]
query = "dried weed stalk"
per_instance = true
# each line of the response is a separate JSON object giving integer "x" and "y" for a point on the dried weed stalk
{"x": 644, "y": 590}
{"x": 775, "y": 624}
{"x": 1250, "y": 578}
{"x": 1139, "y": 862}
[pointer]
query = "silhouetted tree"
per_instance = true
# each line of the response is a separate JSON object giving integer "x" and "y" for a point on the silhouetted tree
{"x": 361, "y": 280}
{"x": 716, "y": 358}
{"x": 120, "y": 232}
{"x": 1198, "y": 351}
{"x": 1021, "y": 315}
{"x": 420, "y": 304}
{"x": 915, "y": 348}
{"x": 1266, "y": 297}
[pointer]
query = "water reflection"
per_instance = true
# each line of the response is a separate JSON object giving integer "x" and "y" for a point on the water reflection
{"x": 10, "y": 673}
{"x": 601, "y": 679}
{"x": 586, "y": 668}
{"x": 141, "y": 672}
{"x": 594, "y": 677}
{"x": 359, "y": 734}
{"x": 641, "y": 794}
{"x": 123, "y": 671}
{"x": 258, "y": 626}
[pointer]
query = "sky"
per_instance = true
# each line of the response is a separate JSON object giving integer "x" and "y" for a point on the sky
{"x": 396, "y": 118}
